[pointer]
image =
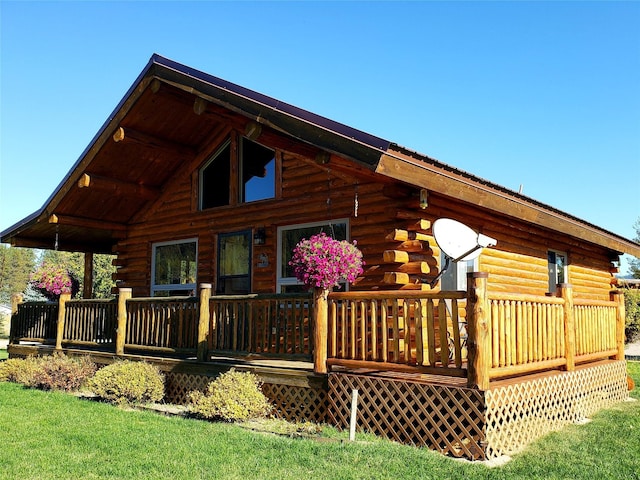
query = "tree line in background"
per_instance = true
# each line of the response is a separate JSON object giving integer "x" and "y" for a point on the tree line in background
{"x": 18, "y": 264}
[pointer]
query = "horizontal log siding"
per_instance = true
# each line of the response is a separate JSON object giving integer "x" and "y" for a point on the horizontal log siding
{"x": 518, "y": 264}
{"x": 304, "y": 199}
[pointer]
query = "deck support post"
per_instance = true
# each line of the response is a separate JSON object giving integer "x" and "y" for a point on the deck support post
{"x": 16, "y": 299}
{"x": 64, "y": 298}
{"x": 203, "y": 321}
{"x": 618, "y": 296}
{"x": 124, "y": 294}
{"x": 479, "y": 328}
{"x": 87, "y": 286}
{"x": 565, "y": 290}
{"x": 320, "y": 329}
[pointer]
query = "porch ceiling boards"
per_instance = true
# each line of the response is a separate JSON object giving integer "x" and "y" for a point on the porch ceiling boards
{"x": 125, "y": 171}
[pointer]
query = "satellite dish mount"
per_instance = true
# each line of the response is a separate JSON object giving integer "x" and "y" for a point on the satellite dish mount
{"x": 458, "y": 242}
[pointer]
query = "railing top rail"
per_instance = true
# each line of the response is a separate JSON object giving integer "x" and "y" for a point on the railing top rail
{"x": 580, "y": 302}
{"x": 163, "y": 300}
{"x": 91, "y": 300}
{"x": 262, "y": 296}
{"x": 38, "y": 302}
{"x": 517, "y": 297}
{"x": 392, "y": 294}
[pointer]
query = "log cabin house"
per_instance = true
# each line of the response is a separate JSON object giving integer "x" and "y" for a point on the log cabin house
{"x": 201, "y": 188}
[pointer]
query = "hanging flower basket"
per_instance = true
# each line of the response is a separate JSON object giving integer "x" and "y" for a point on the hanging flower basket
{"x": 52, "y": 280}
{"x": 323, "y": 262}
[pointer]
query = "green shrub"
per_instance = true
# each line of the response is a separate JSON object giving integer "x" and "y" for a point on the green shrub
{"x": 233, "y": 396}
{"x": 59, "y": 372}
{"x": 18, "y": 370}
{"x": 128, "y": 382}
{"x": 632, "y": 311}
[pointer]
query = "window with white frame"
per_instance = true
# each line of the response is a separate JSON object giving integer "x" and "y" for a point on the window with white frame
{"x": 174, "y": 268}
{"x": 557, "y": 263}
{"x": 455, "y": 278}
{"x": 288, "y": 238}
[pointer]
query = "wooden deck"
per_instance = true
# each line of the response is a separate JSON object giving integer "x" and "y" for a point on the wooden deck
{"x": 511, "y": 369}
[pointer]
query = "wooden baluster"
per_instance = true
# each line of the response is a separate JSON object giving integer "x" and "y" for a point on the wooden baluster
{"x": 124, "y": 294}
{"x": 565, "y": 291}
{"x": 479, "y": 343}
{"x": 64, "y": 298}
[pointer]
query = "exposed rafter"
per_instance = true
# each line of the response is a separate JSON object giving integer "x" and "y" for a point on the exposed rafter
{"x": 86, "y": 223}
{"x": 129, "y": 135}
{"x": 118, "y": 187}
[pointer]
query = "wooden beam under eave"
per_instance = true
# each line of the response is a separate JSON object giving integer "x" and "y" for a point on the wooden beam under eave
{"x": 125, "y": 135}
{"x": 86, "y": 223}
{"x": 449, "y": 184}
{"x": 118, "y": 187}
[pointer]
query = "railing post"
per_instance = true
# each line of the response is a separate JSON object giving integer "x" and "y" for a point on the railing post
{"x": 16, "y": 299}
{"x": 565, "y": 290}
{"x": 203, "y": 321}
{"x": 124, "y": 294}
{"x": 64, "y": 298}
{"x": 479, "y": 328}
{"x": 618, "y": 296}
{"x": 320, "y": 330}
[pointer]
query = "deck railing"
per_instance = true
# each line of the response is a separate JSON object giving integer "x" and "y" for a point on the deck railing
{"x": 526, "y": 330}
{"x": 90, "y": 322}
{"x": 397, "y": 330}
{"x": 169, "y": 323}
{"x": 478, "y": 334}
{"x": 34, "y": 322}
{"x": 261, "y": 324}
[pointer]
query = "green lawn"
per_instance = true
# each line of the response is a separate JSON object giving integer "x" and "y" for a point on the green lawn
{"x": 3, "y": 353}
{"x": 57, "y": 436}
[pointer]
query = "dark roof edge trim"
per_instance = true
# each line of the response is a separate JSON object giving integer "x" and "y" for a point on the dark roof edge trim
{"x": 360, "y": 136}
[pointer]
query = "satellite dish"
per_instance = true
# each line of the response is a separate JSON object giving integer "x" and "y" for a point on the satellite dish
{"x": 458, "y": 242}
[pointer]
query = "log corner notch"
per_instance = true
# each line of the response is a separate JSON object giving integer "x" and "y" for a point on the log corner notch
{"x": 411, "y": 261}
{"x": 118, "y": 187}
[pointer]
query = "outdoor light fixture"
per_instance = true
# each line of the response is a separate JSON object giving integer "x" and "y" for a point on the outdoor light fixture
{"x": 259, "y": 237}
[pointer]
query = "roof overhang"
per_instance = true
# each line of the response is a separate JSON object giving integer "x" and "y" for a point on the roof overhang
{"x": 424, "y": 172}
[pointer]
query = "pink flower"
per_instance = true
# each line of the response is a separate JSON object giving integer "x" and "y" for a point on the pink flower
{"x": 323, "y": 262}
{"x": 53, "y": 280}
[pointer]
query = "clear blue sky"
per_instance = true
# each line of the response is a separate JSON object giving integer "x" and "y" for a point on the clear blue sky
{"x": 543, "y": 94}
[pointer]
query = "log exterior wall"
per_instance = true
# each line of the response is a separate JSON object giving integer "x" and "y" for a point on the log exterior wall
{"x": 517, "y": 264}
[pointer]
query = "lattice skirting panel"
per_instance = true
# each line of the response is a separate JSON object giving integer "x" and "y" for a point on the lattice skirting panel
{"x": 296, "y": 404}
{"x": 292, "y": 403}
{"x": 178, "y": 385}
{"x": 448, "y": 419}
{"x": 519, "y": 413}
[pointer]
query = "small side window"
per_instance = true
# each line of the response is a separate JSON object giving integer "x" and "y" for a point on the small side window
{"x": 557, "y": 265}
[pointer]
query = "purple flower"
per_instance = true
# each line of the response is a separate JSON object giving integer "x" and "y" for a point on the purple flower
{"x": 323, "y": 262}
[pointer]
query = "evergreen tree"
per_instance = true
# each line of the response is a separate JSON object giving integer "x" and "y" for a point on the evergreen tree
{"x": 16, "y": 265}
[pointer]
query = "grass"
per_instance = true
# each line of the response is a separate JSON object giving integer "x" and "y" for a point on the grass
{"x": 62, "y": 437}
{"x": 3, "y": 354}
